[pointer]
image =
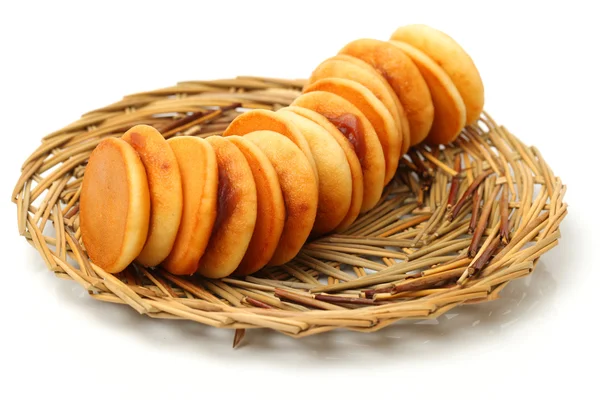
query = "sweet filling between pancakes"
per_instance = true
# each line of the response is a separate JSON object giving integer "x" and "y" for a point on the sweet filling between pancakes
{"x": 227, "y": 199}
{"x": 352, "y": 129}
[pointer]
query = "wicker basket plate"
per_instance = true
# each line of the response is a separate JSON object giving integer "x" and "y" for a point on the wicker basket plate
{"x": 454, "y": 227}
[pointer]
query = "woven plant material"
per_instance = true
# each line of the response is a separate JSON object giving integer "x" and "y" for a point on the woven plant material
{"x": 454, "y": 227}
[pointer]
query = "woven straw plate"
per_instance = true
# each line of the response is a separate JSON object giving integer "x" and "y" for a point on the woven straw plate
{"x": 454, "y": 227}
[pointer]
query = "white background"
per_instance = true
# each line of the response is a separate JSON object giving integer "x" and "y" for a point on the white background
{"x": 540, "y": 68}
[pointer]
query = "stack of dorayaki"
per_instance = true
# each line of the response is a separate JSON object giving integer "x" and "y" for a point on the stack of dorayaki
{"x": 252, "y": 197}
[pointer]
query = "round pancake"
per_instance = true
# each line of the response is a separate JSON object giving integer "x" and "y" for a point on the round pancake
{"x": 356, "y": 127}
{"x": 335, "y": 179}
{"x": 453, "y": 59}
{"x": 236, "y": 212}
{"x": 270, "y": 208}
{"x": 348, "y": 67}
{"x": 449, "y": 109}
{"x": 374, "y": 110}
{"x": 166, "y": 198}
{"x": 353, "y": 162}
{"x": 114, "y": 206}
{"x": 259, "y": 120}
{"x": 298, "y": 187}
{"x": 403, "y": 76}
{"x": 199, "y": 181}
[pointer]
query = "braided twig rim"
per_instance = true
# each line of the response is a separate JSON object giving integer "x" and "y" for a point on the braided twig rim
{"x": 403, "y": 260}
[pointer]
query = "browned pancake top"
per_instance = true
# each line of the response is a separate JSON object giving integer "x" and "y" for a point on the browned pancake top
{"x": 114, "y": 205}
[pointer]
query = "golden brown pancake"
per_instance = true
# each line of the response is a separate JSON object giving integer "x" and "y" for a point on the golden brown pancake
{"x": 403, "y": 76}
{"x": 199, "y": 180}
{"x": 374, "y": 110}
{"x": 270, "y": 211}
{"x": 453, "y": 59}
{"x": 257, "y": 120}
{"x": 353, "y": 162}
{"x": 335, "y": 179}
{"x": 450, "y": 114}
{"x": 356, "y": 127}
{"x": 298, "y": 186}
{"x": 166, "y": 198}
{"x": 114, "y": 207}
{"x": 236, "y": 212}
{"x": 348, "y": 67}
